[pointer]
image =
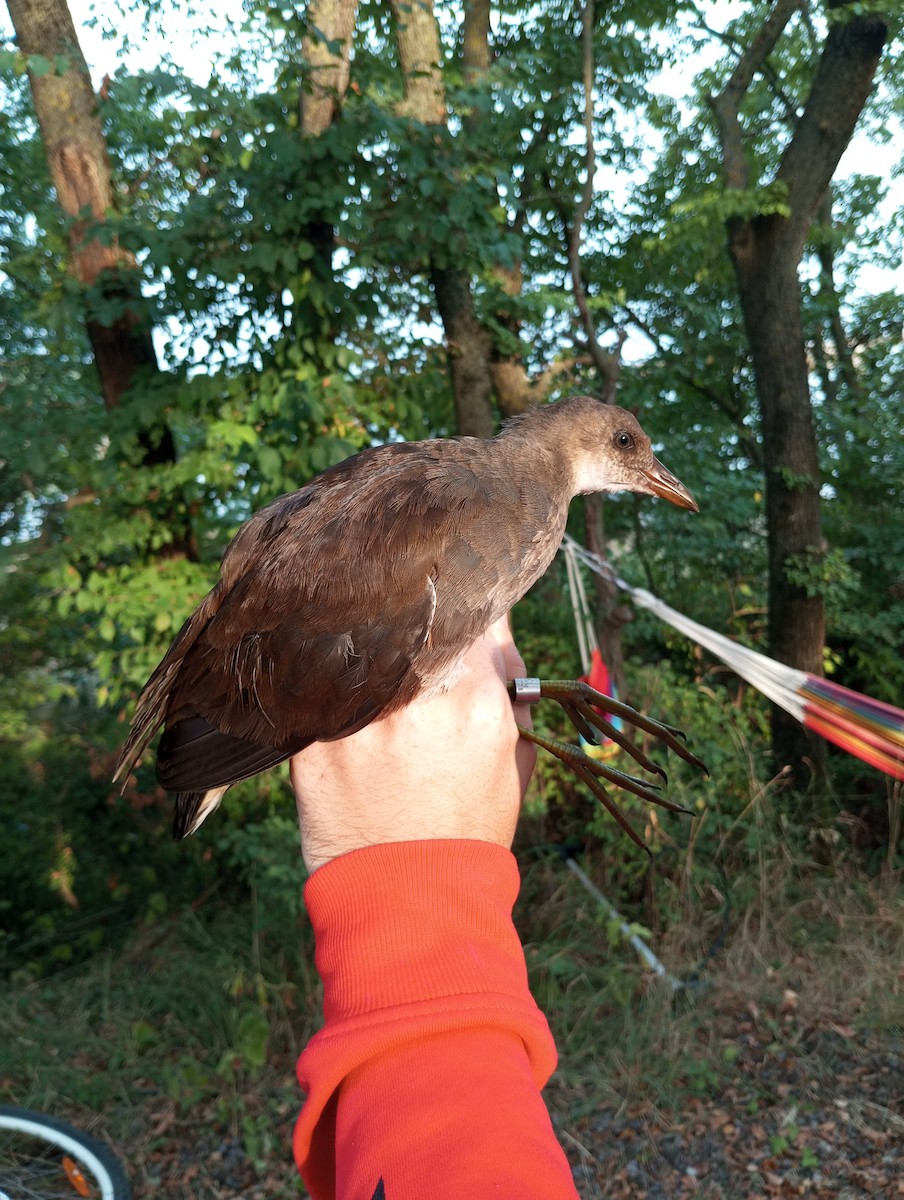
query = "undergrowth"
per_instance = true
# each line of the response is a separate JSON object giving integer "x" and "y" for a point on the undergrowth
{"x": 161, "y": 994}
{"x": 192, "y": 1027}
{"x": 198, "y": 1020}
{"x": 188, "y": 1032}
{"x": 770, "y": 932}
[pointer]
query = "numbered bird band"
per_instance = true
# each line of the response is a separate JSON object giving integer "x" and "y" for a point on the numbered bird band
{"x": 525, "y": 691}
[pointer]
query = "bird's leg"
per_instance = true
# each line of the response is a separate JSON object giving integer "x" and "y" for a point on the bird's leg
{"x": 589, "y": 771}
{"x": 590, "y": 733}
{"x": 580, "y": 697}
{"x": 580, "y": 702}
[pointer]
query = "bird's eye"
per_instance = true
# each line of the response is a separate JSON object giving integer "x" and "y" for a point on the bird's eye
{"x": 623, "y": 440}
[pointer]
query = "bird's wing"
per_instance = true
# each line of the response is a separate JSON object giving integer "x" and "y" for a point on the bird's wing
{"x": 154, "y": 699}
{"x": 329, "y": 599}
{"x": 325, "y": 615}
{"x": 250, "y": 696}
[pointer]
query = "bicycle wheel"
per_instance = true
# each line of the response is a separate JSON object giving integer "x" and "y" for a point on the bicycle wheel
{"x": 42, "y": 1158}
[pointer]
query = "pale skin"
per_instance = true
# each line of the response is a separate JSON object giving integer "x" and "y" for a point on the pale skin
{"x": 450, "y": 766}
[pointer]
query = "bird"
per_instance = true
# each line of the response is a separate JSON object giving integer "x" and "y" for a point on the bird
{"x": 341, "y": 602}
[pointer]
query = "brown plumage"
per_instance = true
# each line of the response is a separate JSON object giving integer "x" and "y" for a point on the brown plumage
{"x": 341, "y": 602}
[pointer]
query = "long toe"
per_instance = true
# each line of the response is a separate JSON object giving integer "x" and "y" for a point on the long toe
{"x": 580, "y": 697}
{"x": 589, "y": 711}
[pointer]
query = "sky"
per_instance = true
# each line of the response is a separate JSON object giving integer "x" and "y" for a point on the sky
{"x": 188, "y": 38}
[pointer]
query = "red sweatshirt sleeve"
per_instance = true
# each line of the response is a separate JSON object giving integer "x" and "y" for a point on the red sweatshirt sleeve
{"x": 425, "y": 1079}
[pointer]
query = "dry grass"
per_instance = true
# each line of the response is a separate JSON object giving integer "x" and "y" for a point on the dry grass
{"x": 771, "y": 929}
{"x": 181, "y": 1047}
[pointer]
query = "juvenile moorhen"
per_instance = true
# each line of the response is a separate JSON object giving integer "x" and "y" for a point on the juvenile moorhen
{"x": 343, "y": 601}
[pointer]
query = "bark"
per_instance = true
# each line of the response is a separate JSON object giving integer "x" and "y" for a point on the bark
{"x": 608, "y": 365}
{"x": 766, "y": 252}
{"x": 417, "y": 38}
{"x": 611, "y": 614}
{"x": 326, "y": 51}
{"x": 476, "y": 56}
{"x": 479, "y": 367}
{"x": 326, "y": 48}
{"x": 846, "y": 369}
{"x": 467, "y": 345}
{"x": 466, "y": 341}
{"x": 76, "y": 152}
{"x": 515, "y": 392}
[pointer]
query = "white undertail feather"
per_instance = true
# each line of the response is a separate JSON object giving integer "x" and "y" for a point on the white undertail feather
{"x": 209, "y": 804}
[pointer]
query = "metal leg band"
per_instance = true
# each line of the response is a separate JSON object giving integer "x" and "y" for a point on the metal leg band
{"x": 525, "y": 691}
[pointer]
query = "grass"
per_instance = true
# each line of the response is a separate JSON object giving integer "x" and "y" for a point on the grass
{"x": 180, "y": 1046}
{"x": 826, "y": 939}
{"x": 786, "y": 1035}
{"x": 186, "y": 1037}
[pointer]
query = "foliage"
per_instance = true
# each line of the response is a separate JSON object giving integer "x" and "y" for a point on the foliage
{"x": 80, "y": 867}
{"x": 278, "y": 361}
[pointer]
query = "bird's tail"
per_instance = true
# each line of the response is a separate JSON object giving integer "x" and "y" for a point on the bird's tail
{"x": 192, "y": 808}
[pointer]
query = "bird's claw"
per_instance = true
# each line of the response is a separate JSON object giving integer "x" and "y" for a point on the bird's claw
{"x": 581, "y": 703}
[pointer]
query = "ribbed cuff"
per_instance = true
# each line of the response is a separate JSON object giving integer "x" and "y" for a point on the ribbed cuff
{"x": 411, "y": 921}
{"x": 414, "y": 939}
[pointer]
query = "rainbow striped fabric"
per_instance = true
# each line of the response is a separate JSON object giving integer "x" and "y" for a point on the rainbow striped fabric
{"x": 867, "y": 728}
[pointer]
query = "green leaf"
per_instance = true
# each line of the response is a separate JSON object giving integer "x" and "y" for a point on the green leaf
{"x": 12, "y": 60}
{"x": 39, "y": 65}
{"x": 269, "y": 463}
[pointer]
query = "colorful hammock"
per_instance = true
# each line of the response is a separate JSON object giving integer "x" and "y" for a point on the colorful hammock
{"x": 869, "y": 729}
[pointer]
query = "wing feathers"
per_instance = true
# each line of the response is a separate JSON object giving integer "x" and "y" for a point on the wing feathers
{"x": 334, "y": 604}
{"x": 189, "y": 759}
{"x": 192, "y": 808}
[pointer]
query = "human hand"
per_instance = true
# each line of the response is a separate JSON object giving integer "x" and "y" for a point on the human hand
{"x": 450, "y": 766}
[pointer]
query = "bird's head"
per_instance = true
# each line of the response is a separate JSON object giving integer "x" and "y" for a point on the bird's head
{"x": 613, "y": 454}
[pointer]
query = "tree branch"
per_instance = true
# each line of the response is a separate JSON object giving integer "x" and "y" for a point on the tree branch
{"x": 844, "y": 80}
{"x": 727, "y": 105}
{"x": 607, "y": 364}
{"x": 767, "y": 70}
{"x": 843, "y": 355}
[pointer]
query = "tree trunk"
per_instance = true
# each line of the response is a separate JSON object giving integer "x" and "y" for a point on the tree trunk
{"x": 467, "y": 343}
{"x": 766, "y": 251}
{"x": 66, "y": 109}
{"x": 514, "y": 390}
{"x": 79, "y": 165}
{"x": 467, "y": 347}
{"x": 326, "y": 47}
{"x": 770, "y": 299}
{"x": 326, "y": 50}
{"x": 845, "y": 367}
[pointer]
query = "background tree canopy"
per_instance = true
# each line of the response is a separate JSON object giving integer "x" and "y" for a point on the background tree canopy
{"x": 338, "y": 223}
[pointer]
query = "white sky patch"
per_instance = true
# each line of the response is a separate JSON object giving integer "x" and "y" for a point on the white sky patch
{"x": 139, "y": 38}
